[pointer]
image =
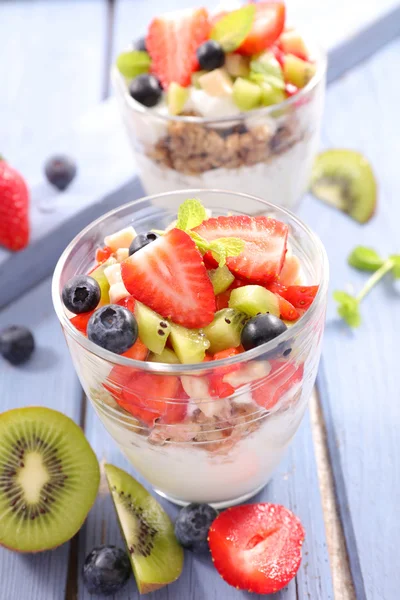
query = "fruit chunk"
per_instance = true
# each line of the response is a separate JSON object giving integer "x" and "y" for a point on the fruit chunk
{"x": 267, "y": 26}
{"x": 224, "y": 332}
{"x": 221, "y": 279}
{"x": 169, "y": 276}
{"x": 137, "y": 352}
{"x": 260, "y": 330}
{"x": 301, "y": 296}
{"x": 216, "y": 83}
{"x": 16, "y": 344}
{"x": 290, "y": 42}
{"x": 291, "y": 271}
{"x": 284, "y": 376}
{"x": 113, "y": 328}
{"x": 172, "y": 42}
{"x": 120, "y": 239}
{"x": 14, "y": 209}
{"x": 254, "y": 299}
{"x": 344, "y": 179}
{"x": 81, "y": 322}
{"x": 271, "y": 95}
{"x": 287, "y": 310}
{"x": 231, "y": 29}
{"x": 106, "y": 570}
{"x": 153, "y": 330}
{"x": 195, "y": 79}
{"x": 297, "y": 71}
{"x": 166, "y": 356}
{"x": 257, "y": 547}
{"x": 246, "y": 95}
{"x": 237, "y": 65}
{"x": 133, "y": 63}
{"x": 264, "y": 253}
{"x": 81, "y": 294}
{"x": 155, "y": 555}
{"x": 99, "y": 275}
{"x": 47, "y": 467}
{"x": 190, "y": 345}
{"x": 176, "y": 98}
{"x": 192, "y": 525}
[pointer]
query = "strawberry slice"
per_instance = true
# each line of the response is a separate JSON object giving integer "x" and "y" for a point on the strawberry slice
{"x": 138, "y": 351}
{"x": 276, "y": 288}
{"x": 287, "y": 310}
{"x": 128, "y": 302}
{"x": 169, "y": 276}
{"x": 301, "y": 296}
{"x": 172, "y": 43}
{"x": 290, "y": 271}
{"x": 268, "y": 25}
{"x": 217, "y": 386}
{"x": 265, "y": 245}
{"x": 257, "y": 547}
{"x": 81, "y": 321}
{"x": 102, "y": 254}
{"x": 283, "y": 377}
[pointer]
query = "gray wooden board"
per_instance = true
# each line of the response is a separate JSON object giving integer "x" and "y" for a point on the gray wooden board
{"x": 359, "y": 384}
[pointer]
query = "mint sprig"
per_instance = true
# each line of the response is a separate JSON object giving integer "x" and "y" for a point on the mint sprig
{"x": 364, "y": 259}
{"x": 191, "y": 213}
{"x": 220, "y": 248}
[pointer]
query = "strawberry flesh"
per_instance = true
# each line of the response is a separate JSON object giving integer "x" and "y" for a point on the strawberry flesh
{"x": 257, "y": 547}
{"x": 14, "y": 209}
{"x": 169, "y": 276}
{"x": 265, "y": 239}
{"x": 284, "y": 376}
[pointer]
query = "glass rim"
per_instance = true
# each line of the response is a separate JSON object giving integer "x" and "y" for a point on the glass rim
{"x": 322, "y": 61}
{"x": 194, "y": 368}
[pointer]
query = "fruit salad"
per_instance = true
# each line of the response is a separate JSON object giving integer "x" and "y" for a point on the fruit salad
{"x": 230, "y": 100}
{"x": 204, "y": 339}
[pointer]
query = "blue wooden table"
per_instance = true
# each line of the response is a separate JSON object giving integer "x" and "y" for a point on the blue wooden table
{"x": 341, "y": 475}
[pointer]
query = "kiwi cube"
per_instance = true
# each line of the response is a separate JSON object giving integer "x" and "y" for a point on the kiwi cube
{"x": 225, "y": 330}
{"x": 166, "y": 356}
{"x": 189, "y": 345}
{"x": 153, "y": 329}
{"x": 246, "y": 95}
{"x": 221, "y": 279}
{"x": 254, "y": 299}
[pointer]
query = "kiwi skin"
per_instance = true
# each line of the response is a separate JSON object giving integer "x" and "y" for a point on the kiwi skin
{"x": 69, "y": 461}
{"x": 145, "y": 527}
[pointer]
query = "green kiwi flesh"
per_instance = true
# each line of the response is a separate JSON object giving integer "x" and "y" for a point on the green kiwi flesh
{"x": 49, "y": 479}
{"x": 225, "y": 330}
{"x": 155, "y": 555}
{"x": 344, "y": 179}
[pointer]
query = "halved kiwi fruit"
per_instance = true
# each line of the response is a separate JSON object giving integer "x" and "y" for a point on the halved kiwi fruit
{"x": 49, "y": 478}
{"x": 344, "y": 179}
{"x": 155, "y": 555}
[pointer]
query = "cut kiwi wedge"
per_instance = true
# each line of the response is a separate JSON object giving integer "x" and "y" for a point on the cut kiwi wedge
{"x": 344, "y": 179}
{"x": 153, "y": 329}
{"x": 189, "y": 345}
{"x": 225, "y": 330}
{"x": 177, "y": 97}
{"x": 254, "y": 299}
{"x": 221, "y": 279}
{"x": 49, "y": 479}
{"x": 99, "y": 275}
{"x": 155, "y": 555}
{"x": 166, "y": 356}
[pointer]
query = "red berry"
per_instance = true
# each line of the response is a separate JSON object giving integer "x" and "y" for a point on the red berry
{"x": 169, "y": 276}
{"x": 265, "y": 245}
{"x": 14, "y": 209}
{"x": 81, "y": 321}
{"x": 301, "y": 296}
{"x": 287, "y": 310}
{"x": 102, "y": 254}
{"x": 268, "y": 25}
{"x": 283, "y": 377}
{"x": 257, "y": 547}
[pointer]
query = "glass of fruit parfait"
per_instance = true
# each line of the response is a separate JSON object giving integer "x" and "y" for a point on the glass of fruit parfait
{"x": 196, "y": 333}
{"x": 232, "y": 100}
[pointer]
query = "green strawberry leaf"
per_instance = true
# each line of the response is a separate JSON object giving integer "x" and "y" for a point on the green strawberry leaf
{"x": 133, "y": 63}
{"x": 191, "y": 213}
{"x": 232, "y": 29}
{"x": 396, "y": 268}
{"x": 365, "y": 259}
{"x": 348, "y": 308}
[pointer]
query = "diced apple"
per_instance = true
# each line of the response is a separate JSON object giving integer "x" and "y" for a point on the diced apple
{"x": 122, "y": 254}
{"x": 117, "y": 292}
{"x": 121, "y": 239}
{"x": 297, "y": 71}
{"x": 291, "y": 42}
{"x": 216, "y": 83}
{"x": 113, "y": 274}
{"x": 237, "y": 65}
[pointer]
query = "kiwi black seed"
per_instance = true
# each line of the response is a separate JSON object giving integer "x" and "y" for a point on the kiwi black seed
{"x": 155, "y": 555}
{"x": 344, "y": 179}
{"x": 49, "y": 478}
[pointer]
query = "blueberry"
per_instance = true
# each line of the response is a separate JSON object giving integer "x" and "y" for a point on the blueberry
{"x": 113, "y": 327}
{"x": 60, "y": 170}
{"x": 192, "y": 525}
{"x": 81, "y": 294}
{"x": 16, "y": 344}
{"x": 106, "y": 570}
{"x": 210, "y": 55}
{"x": 140, "y": 44}
{"x": 146, "y": 89}
{"x": 261, "y": 329}
{"x": 141, "y": 240}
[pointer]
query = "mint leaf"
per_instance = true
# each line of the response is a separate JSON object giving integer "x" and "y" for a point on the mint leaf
{"x": 133, "y": 63}
{"x": 348, "y": 308}
{"x": 191, "y": 213}
{"x": 396, "y": 267}
{"x": 365, "y": 259}
{"x": 221, "y": 248}
{"x": 232, "y": 29}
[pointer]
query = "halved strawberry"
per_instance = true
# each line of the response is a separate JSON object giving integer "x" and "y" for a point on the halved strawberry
{"x": 283, "y": 377}
{"x": 276, "y": 288}
{"x": 287, "y": 310}
{"x": 102, "y": 254}
{"x": 172, "y": 43}
{"x": 169, "y": 276}
{"x": 301, "y": 296}
{"x": 290, "y": 271}
{"x": 257, "y": 547}
{"x": 81, "y": 321}
{"x": 265, "y": 245}
{"x": 128, "y": 302}
{"x": 138, "y": 351}
{"x": 268, "y": 25}
{"x": 217, "y": 386}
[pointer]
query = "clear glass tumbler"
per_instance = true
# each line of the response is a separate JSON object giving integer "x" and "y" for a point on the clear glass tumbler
{"x": 267, "y": 152}
{"x": 216, "y": 430}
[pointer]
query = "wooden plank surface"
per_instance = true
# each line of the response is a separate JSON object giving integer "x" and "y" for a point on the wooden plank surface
{"x": 295, "y": 485}
{"x": 51, "y": 69}
{"x": 358, "y": 381}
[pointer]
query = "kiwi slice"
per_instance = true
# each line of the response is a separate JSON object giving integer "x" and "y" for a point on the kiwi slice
{"x": 224, "y": 332}
{"x": 190, "y": 345}
{"x": 221, "y": 279}
{"x": 254, "y": 299}
{"x": 153, "y": 329}
{"x": 155, "y": 555}
{"x": 177, "y": 97}
{"x": 246, "y": 95}
{"x": 99, "y": 275}
{"x": 166, "y": 356}
{"x": 49, "y": 479}
{"x": 344, "y": 179}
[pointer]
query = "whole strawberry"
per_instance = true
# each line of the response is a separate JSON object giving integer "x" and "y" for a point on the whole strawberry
{"x": 14, "y": 208}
